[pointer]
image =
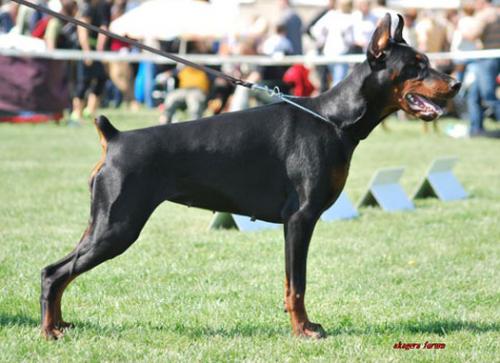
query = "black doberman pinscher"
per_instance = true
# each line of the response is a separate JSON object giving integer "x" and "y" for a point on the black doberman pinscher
{"x": 275, "y": 163}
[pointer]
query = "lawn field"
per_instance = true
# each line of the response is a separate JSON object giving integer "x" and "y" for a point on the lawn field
{"x": 182, "y": 293}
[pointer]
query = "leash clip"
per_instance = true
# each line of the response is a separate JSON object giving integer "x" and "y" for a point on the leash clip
{"x": 276, "y": 92}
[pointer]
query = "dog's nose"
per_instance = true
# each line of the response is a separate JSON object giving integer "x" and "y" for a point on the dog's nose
{"x": 455, "y": 85}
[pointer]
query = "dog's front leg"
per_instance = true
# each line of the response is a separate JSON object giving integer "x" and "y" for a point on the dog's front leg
{"x": 298, "y": 232}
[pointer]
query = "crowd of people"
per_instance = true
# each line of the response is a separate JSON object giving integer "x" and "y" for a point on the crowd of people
{"x": 343, "y": 27}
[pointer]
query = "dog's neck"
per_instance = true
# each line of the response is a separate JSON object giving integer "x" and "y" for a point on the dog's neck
{"x": 358, "y": 103}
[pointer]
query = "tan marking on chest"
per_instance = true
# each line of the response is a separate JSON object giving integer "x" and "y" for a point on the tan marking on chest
{"x": 338, "y": 177}
{"x": 394, "y": 74}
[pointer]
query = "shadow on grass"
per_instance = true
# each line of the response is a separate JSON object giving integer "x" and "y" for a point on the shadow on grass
{"x": 18, "y": 320}
{"x": 238, "y": 329}
{"x": 249, "y": 329}
{"x": 440, "y": 327}
{"x": 191, "y": 331}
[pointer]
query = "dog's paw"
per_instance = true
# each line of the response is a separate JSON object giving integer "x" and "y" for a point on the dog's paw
{"x": 52, "y": 333}
{"x": 63, "y": 325}
{"x": 55, "y": 331}
{"x": 310, "y": 330}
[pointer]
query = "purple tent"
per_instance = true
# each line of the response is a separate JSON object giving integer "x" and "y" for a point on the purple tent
{"x": 34, "y": 86}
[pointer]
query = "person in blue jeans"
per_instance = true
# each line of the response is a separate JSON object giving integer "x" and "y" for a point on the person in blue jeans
{"x": 8, "y": 14}
{"x": 484, "y": 28}
{"x": 482, "y": 93}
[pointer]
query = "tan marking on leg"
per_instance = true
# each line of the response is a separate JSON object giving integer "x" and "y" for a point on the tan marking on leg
{"x": 301, "y": 325}
{"x": 287, "y": 293}
{"x": 295, "y": 307}
{"x": 57, "y": 319}
{"x": 49, "y": 329}
{"x": 53, "y": 322}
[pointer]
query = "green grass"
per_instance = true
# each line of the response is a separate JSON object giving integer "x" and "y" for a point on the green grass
{"x": 182, "y": 293}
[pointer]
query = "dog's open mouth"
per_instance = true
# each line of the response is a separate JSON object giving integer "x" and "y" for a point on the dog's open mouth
{"x": 423, "y": 108}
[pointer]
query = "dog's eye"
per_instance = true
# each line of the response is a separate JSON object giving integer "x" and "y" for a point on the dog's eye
{"x": 415, "y": 70}
{"x": 424, "y": 70}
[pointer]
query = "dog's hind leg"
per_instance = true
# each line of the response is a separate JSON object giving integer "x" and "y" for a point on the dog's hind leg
{"x": 54, "y": 281}
{"x": 118, "y": 214}
{"x": 299, "y": 229}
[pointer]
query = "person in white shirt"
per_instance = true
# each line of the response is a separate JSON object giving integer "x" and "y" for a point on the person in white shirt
{"x": 336, "y": 32}
{"x": 409, "y": 31}
{"x": 365, "y": 22}
{"x": 278, "y": 43}
{"x": 460, "y": 40}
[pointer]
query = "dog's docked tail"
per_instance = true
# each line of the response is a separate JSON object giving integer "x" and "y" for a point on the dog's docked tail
{"x": 106, "y": 133}
{"x": 105, "y": 128}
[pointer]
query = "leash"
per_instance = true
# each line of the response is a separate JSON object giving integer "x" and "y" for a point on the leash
{"x": 274, "y": 92}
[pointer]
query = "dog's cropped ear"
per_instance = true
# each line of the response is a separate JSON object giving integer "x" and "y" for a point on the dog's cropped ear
{"x": 379, "y": 42}
{"x": 398, "y": 33}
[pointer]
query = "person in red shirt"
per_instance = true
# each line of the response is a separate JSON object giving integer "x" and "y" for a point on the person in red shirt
{"x": 297, "y": 76}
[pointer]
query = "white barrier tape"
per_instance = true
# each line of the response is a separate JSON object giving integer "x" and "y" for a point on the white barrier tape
{"x": 219, "y": 60}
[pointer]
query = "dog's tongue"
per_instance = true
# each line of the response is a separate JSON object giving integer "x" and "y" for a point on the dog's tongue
{"x": 424, "y": 106}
